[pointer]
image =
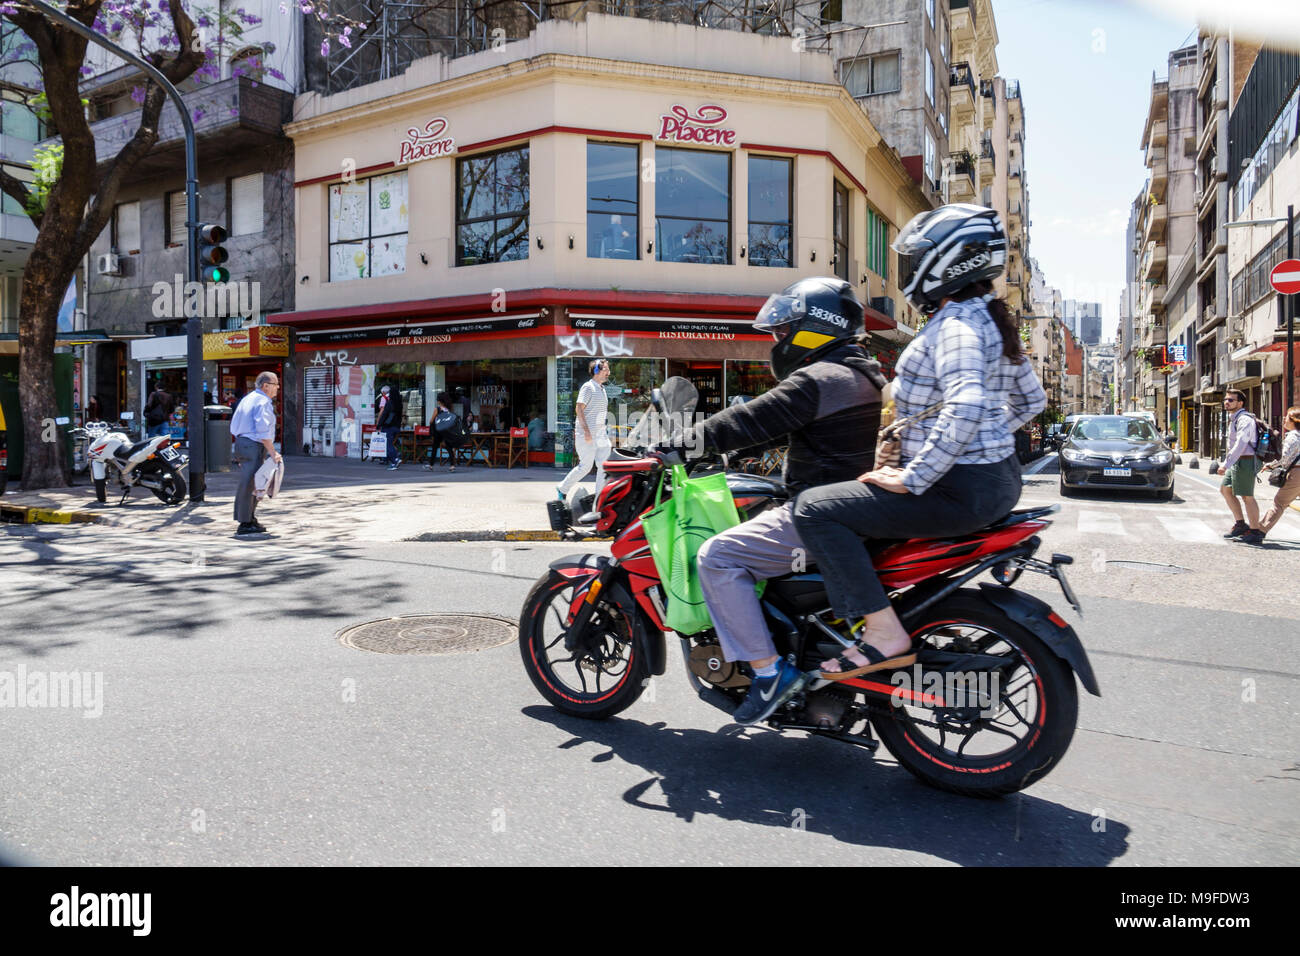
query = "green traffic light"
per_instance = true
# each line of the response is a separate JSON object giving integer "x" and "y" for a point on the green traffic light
{"x": 216, "y": 274}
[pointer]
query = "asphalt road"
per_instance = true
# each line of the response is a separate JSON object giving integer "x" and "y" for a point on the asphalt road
{"x": 237, "y": 729}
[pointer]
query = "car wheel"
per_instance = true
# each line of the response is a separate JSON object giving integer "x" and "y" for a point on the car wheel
{"x": 1166, "y": 495}
{"x": 1065, "y": 491}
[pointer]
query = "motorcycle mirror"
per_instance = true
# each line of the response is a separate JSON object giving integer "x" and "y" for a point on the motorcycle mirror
{"x": 657, "y": 399}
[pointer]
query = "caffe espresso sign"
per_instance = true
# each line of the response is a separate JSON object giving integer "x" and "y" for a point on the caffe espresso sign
{"x": 427, "y": 143}
{"x": 679, "y": 125}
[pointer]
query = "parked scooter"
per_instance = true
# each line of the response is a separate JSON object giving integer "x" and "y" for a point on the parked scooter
{"x": 155, "y": 463}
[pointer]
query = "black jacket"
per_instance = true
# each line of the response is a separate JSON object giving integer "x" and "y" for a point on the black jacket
{"x": 828, "y": 412}
{"x": 391, "y": 416}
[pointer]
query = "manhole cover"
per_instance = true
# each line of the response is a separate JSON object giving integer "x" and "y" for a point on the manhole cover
{"x": 1149, "y": 566}
{"x": 429, "y": 634}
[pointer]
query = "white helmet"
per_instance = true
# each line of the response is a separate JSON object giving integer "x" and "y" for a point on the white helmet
{"x": 947, "y": 249}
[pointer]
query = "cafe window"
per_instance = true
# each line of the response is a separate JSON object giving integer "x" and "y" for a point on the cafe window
{"x": 368, "y": 226}
{"x": 747, "y": 380}
{"x": 770, "y": 210}
{"x": 841, "y": 228}
{"x": 612, "y": 194}
{"x": 692, "y": 206}
{"x": 407, "y": 380}
{"x": 492, "y": 207}
{"x": 503, "y": 393}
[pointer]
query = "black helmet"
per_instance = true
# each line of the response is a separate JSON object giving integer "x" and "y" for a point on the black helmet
{"x": 947, "y": 249}
{"x": 808, "y": 319}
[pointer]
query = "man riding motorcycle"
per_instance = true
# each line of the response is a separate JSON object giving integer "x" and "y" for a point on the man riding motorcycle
{"x": 826, "y": 406}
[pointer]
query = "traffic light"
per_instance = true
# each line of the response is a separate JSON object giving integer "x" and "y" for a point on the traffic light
{"x": 212, "y": 254}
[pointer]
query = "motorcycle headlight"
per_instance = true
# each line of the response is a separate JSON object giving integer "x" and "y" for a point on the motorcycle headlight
{"x": 1162, "y": 458}
{"x": 1070, "y": 454}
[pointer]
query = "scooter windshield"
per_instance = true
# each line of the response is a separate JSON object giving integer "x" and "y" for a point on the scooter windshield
{"x": 679, "y": 400}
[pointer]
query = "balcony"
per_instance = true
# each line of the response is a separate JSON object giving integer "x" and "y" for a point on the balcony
{"x": 1154, "y": 333}
{"x": 232, "y": 116}
{"x": 1157, "y": 134}
{"x": 1156, "y": 217}
{"x": 1015, "y": 185}
{"x": 988, "y": 163}
{"x": 1159, "y": 178}
{"x": 1154, "y": 261}
{"x": 961, "y": 80}
{"x": 963, "y": 21}
{"x": 961, "y": 185}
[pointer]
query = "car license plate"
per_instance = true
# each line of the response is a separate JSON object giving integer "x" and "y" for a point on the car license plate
{"x": 169, "y": 454}
{"x": 1117, "y": 472}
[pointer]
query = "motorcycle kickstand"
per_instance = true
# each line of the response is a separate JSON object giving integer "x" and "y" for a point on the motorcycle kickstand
{"x": 126, "y": 493}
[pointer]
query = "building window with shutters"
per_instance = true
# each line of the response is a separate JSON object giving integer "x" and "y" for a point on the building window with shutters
{"x": 125, "y": 234}
{"x": 176, "y": 232}
{"x": 841, "y": 230}
{"x": 246, "y": 209}
{"x": 877, "y": 244}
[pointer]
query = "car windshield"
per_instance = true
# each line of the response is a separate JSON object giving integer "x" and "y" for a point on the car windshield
{"x": 1113, "y": 429}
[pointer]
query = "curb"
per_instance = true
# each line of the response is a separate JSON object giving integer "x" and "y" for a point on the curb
{"x": 465, "y": 536}
{"x": 26, "y": 514}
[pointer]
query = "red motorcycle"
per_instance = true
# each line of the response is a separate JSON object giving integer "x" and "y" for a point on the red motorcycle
{"x": 989, "y": 707}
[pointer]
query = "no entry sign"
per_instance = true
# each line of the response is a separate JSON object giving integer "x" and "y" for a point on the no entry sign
{"x": 1285, "y": 277}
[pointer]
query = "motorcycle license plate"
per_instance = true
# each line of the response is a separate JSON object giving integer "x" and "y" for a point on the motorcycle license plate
{"x": 169, "y": 454}
{"x": 1117, "y": 472}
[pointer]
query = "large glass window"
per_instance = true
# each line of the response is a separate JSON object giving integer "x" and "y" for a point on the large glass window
{"x": 492, "y": 207}
{"x": 16, "y": 117}
{"x": 692, "y": 206}
{"x": 368, "y": 225}
{"x": 407, "y": 379}
{"x": 929, "y": 78}
{"x": 868, "y": 75}
{"x": 770, "y": 204}
{"x": 503, "y": 393}
{"x": 841, "y": 228}
{"x": 612, "y": 194}
{"x": 10, "y": 205}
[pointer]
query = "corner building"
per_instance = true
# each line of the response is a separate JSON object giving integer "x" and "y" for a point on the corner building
{"x": 611, "y": 188}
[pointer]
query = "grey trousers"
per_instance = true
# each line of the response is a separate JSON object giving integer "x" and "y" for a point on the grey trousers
{"x": 731, "y": 563}
{"x": 249, "y": 455}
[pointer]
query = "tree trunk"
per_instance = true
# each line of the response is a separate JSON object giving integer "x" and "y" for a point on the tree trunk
{"x": 45, "y": 463}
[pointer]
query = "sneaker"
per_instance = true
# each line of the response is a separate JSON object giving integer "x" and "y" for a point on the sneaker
{"x": 246, "y": 529}
{"x": 258, "y": 526}
{"x": 1238, "y": 530}
{"x": 766, "y": 694}
{"x": 393, "y": 467}
{"x": 1253, "y": 536}
{"x": 558, "y": 493}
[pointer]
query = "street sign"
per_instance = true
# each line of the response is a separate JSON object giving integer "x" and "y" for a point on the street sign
{"x": 1285, "y": 277}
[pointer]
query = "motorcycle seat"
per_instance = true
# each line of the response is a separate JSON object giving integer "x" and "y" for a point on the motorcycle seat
{"x": 125, "y": 453}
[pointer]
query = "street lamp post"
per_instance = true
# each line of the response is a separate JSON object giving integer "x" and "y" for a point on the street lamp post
{"x": 195, "y": 423}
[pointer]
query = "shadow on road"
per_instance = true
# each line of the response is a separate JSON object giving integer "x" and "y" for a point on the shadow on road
{"x": 761, "y": 777}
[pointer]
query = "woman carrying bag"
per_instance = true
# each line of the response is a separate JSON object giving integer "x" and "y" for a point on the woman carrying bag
{"x": 1285, "y": 477}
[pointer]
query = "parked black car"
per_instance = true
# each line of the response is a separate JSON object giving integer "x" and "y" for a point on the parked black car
{"x": 1114, "y": 451}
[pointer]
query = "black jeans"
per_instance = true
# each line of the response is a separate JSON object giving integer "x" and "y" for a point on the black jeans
{"x": 834, "y": 519}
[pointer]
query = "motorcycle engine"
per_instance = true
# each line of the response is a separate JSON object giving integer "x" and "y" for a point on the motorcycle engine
{"x": 825, "y": 708}
{"x": 708, "y": 664}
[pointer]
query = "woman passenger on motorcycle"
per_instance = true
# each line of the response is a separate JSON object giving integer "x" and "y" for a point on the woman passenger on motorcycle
{"x": 959, "y": 468}
{"x": 826, "y": 407}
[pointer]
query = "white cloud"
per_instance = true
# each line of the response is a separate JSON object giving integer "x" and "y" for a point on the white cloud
{"x": 1272, "y": 20}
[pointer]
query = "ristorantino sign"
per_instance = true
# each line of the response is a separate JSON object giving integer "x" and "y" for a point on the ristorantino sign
{"x": 426, "y": 143}
{"x": 679, "y": 126}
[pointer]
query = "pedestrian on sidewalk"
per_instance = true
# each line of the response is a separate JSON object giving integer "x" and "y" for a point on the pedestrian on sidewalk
{"x": 589, "y": 437}
{"x": 1291, "y": 489}
{"x": 442, "y": 437}
{"x": 158, "y": 411}
{"x": 388, "y": 419}
{"x": 460, "y": 404}
{"x": 1240, "y": 466}
{"x": 253, "y": 429}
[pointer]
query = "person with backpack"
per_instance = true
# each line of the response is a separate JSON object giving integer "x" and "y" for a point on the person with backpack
{"x": 447, "y": 430}
{"x": 1289, "y": 489}
{"x": 158, "y": 411}
{"x": 1240, "y": 464}
{"x": 388, "y": 419}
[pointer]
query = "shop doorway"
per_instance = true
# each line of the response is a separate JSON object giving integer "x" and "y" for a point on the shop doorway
{"x": 237, "y": 379}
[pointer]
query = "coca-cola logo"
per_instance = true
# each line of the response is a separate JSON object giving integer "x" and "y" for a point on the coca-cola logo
{"x": 527, "y": 323}
{"x": 427, "y": 143}
{"x": 584, "y": 323}
{"x": 679, "y": 126}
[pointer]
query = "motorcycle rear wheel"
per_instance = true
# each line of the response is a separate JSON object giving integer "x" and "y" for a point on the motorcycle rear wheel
{"x": 171, "y": 488}
{"x": 1037, "y": 707}
{"x": 604, "y": 675}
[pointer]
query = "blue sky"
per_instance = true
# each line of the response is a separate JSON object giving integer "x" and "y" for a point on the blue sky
{"x": 1085, "y": 77}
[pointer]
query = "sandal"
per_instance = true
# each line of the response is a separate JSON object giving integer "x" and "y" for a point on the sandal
{"x": 879, "y": 662}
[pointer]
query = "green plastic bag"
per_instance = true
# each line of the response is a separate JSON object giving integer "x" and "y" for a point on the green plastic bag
{"x": 676, "y": 529}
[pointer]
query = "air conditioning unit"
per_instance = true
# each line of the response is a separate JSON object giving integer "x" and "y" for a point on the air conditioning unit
{"x": 1206, "y": 384}
{"x": 883, "y": 303}
{"x": 109, "y": 265}
{"x": 1238, "y": 325}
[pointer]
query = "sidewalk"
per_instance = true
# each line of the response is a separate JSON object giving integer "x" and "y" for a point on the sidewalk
{"x": 338, "y": 500}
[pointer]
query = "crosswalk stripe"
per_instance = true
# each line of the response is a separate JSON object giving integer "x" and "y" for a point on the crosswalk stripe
{"x": 1100, "y": 522}
{"x": 1189, "y": 529}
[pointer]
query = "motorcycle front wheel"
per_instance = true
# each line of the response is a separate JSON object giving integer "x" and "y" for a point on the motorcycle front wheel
{"x": 595, "y": 674}
{"x": 101, "y": 490}
{"x": 1012, "y": 723}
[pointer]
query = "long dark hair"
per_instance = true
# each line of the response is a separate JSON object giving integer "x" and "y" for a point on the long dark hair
{"x": 1007, "y": 323}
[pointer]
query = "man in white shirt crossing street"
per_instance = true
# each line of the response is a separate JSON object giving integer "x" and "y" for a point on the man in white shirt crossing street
{"x": 590, "y": 440}
{"x": 253, "y": 429}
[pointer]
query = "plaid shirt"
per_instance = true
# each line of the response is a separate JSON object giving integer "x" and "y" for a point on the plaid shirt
{"x": 958, "y": 358}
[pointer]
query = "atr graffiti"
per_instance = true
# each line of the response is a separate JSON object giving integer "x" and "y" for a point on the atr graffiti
{"x": 597, "y": 343}
{"x": 333, "y": 358}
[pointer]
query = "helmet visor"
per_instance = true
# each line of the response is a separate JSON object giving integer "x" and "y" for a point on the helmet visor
{"x": 779, "y": 309}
